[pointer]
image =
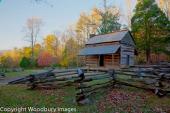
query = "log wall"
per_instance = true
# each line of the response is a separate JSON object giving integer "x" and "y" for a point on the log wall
{"x": 119, "y": 58}
{"x": 108, "y": 60}
{"x": 125, "y": 51}
{"x": 92, "y": 61}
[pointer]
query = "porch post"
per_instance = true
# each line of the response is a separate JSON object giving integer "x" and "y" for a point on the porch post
{"x": 112, "y": 59}
{"x": 85, "y": 61}
{"x": 99, "y": 61}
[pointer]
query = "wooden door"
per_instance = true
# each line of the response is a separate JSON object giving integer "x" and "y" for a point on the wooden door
{"x": 101, "y": 60}
{"x": 128, "y": 60}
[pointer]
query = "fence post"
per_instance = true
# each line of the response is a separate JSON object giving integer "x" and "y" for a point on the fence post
{"x": 80, "y": 95}
{"x": 32, "y": 81}
{"x": 112, "y": 74}
{"x": 158, "y": 90}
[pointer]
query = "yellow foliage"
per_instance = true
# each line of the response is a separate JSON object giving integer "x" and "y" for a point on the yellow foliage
{"x": 26, "y": 52}
{"x": 49, "y": 41}
{"x": 88, "y": 24}
{"x": 51, "y": 44}
{"x": 64, "y": 62}
{"x": 165, "y": 6}
{"x": 11, "y": 58}
{"x": 37, "y": 49}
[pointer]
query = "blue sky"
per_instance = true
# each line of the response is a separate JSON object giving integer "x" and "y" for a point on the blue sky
{"x": 62, "y": 13}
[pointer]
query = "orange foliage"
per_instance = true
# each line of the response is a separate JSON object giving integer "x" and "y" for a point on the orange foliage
{"x": 45, "y": 59}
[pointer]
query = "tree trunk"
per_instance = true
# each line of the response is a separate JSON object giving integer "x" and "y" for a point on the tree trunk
{"x": 148, "y": 56}
{"x": 148, "y": 42}
{"x": 32, "y": 49}
{"x": 158, "y": 62}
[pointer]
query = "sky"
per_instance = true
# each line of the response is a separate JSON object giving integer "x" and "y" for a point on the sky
{"x": 57, "y": 16}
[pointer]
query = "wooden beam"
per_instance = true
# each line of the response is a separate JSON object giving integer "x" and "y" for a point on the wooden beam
{"x": 99, "y": 61}
{"x": 85, "y": 61}
{"x": 112, "y": 59}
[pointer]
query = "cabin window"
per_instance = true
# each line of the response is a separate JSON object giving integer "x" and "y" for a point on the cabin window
{"x": 101, "y": 60}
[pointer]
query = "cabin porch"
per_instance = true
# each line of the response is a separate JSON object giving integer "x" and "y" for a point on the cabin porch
{"x": 107, "y": 56}
{"x": 106, "y": 61}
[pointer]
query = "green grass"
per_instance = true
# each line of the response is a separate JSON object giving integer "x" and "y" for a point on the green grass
{"x": 22, "y": 73}
{"x": 20, "y": 96}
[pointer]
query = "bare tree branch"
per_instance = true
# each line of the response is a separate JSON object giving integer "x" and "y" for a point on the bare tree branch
{"x": 32, "y": 30}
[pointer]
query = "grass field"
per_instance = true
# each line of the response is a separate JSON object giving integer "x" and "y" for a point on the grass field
{"x": 23, "y": 73}
{"x": 117, "y": 100}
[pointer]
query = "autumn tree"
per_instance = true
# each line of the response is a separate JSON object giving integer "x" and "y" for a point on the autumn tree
{"x": 6, "y": 62}
{"x": 165, "y": 6}
{"x": 45, "y": 59}
{"x": 70, "y": 49}
{"x": 11, "y": 58}
{"x": 15, "y": 54}
{"x": 87, "y": 24}
{"x": 52, "y": 44}
{"x": 37, "y": 49}
{"x": 150, "y": 27}
{"x": 32, "y": 30}
{"x": 128, "y": 12}
{"x": 98, "y": 22}
{"x": 26, "y": 52}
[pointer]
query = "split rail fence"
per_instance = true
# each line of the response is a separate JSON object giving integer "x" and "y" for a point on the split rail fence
{"x": 90, "y": 81}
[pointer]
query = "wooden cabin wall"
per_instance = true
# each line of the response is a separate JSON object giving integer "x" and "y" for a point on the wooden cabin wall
{"x": 125, "y": 51}
{"x": 92, "y": 61}
{"x": 108, "y": 60}
{"x": 81, "y": 61}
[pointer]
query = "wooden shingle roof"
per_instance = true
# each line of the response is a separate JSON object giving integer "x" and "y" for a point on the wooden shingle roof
{"x": 115, "y": 36}
{"x": 99, "y": 50}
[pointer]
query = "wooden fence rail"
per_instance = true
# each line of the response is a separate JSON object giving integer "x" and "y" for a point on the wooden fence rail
{"x": 91, "y": 81}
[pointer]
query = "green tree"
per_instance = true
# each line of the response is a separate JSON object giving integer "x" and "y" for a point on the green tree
{"x": 109, "y": 21}
{"x": 97, "y": 22}
{"x": 69, "y": 55}
{"x": 151, "y": 28}
{"x": 25, "y": 62}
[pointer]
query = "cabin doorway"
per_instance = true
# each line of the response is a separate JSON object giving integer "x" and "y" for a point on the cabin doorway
{"x": 128, "y": 60}
{"x": 101, "y": 60}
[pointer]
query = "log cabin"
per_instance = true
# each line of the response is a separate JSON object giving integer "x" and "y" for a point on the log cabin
{"x": 113, "y": 50}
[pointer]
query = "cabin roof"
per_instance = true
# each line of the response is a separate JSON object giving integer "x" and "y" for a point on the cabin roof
{"x": 99, "y": 50}
{"x": 115, "y": 36}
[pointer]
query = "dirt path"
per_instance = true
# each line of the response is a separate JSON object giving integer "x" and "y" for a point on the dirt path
{"x": 4, "y": 81}
{"x": 7, "y": 79}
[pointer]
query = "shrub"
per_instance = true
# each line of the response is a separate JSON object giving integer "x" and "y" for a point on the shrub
{"x": 56, "y": 65}
{"x": 25, "y": 62}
